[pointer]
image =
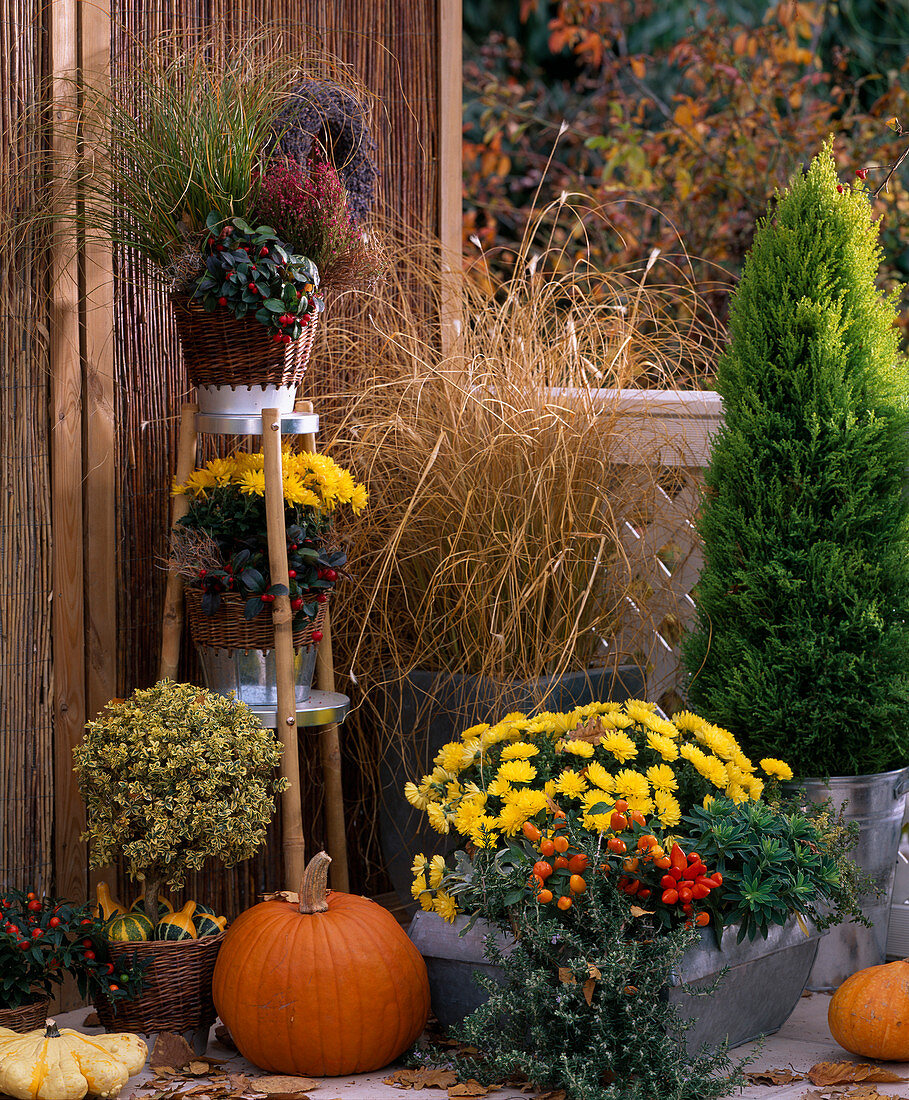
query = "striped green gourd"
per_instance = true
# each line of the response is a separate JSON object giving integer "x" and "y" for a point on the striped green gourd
{"x": 128, "y": 928}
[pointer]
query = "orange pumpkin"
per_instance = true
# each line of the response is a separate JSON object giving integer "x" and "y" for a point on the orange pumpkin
{"x": 869, "y": 1013}
{"x": 328, "y": 987}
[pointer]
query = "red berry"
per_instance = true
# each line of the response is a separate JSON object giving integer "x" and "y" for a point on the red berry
{"x": 255, "y": 290}
{"x": 317, "y": 635}
{"x": 34, "y": 906}
{"x": 222, "y": 301}
{"x": 267, "y": 597}
{"x": 291, "y": 572}
{"x": 23, "y": 944}
{"x": 31, "y": 896}
{"x": 203, "y": 572}
{"x": 113, "y": 986}
{"x": 278, "y": 338}
{"x": 54, "y": 922}
{"x": 37, "y": 933}
{"x": 89, "y": 954}
{"x": 840, "y": 188}
{"x": 296, "y": 603}
{"x": 321, "y": 598}
{"x": 330, "y": 575}
{"x": 86, "y": 921}
{"x": 862, "y": 173}
{"x": 109, "y": 968}
{"x": 286, "y": 338}
{"x": 264, "y": 251}
{"x": 86, "y": 943}
{"x": 252, "y": 267}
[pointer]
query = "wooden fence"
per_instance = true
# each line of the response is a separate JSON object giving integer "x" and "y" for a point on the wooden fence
{"x": 92, "y": 383}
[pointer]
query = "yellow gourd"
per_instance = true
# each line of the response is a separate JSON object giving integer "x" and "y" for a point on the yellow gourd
{"x": 48, "y": 1064}
{"x": 107, "y": 906}
{"x": 177, "y": 926}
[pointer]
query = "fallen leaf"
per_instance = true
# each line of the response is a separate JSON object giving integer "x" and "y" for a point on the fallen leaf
{"x": 224, "y": 1037}
{"x": 173, "y": 1050}
{"x": 557, "y": 1094}
{"x": 637, "y": 911}
{"x": 422, "y": 1079}
{"x": 588, "y": 989}
{"x": 282, "y": 895}
{"x": 593, "y": 731}
{"x": 773, "y": 1077}
{"x": 283, "y": 1085}
{"x": 198, "y": 1069}
{"x": 566, "y": 976}
{"x": 468, "y": 1090}
{"x": 91, "y": 1020}
{"x": 848, "y": 1073}
{"x": 239, "y": 1082}
{"x": 866, "y": 1092}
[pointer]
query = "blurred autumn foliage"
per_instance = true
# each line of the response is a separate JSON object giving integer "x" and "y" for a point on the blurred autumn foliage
{"x": 678, "y": 125}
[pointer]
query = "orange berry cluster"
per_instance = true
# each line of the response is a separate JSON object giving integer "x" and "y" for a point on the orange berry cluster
{"x": 559, "y": 874}
{"x": 687, "y": 881}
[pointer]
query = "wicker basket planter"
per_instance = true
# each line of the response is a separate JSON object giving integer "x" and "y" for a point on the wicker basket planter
{"x": 177, "y": 994}
{"x": 25, "y": 1017}
{"x": 228, "y": 629}
{"x": 222, "y": 350}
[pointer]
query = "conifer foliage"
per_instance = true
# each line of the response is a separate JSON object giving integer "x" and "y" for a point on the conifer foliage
{"x": 802, "y": 643}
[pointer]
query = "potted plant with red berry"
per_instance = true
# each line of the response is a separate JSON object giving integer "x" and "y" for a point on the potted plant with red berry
{"x": 41, "y": 940}
{"x": 220, "y": 548}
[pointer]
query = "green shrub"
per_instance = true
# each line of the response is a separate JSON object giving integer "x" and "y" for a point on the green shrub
{"x": 802, "y": 644}
{"x": 172, "y": 775}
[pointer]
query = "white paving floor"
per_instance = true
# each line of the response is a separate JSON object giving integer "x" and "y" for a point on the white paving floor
{"x": 802, "y": 1042}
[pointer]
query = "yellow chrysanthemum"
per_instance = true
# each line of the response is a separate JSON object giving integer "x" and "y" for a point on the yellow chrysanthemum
{"x": 620, "y": 745}
{"x": 252, "y": 482}
{"x": 708, "y": 798}
{"x": 598, "y": 775}
{"x": 419, "y": 887}
{"x": 419, "y": 866}
{"x": 571, "y": 784}
{"x": 736, "y": 793}
{"x": 517, "y": 771}
{"x": 296, "y": 492}
{"x": 446, "y": 906}
{"x": 451, "y": 757}
{"x": 631, "y": 784}
{"x": 615, "y": 720}
{"x": 358, "y": 499}
{"x": 498, "y": 787}
{"x": 520, "y": 750}
{"x": 467, "y": 815}
{"x": 425, "y": 901}
{"x": 643, "y": 804}
{"x": 415, "y": 797}
{"x": 638, "y": 710}
{"x": 662, "y": 778}
{"x": 437, "y": 817}
{"x": 595, "y": 797}
{"x": 656, "y": 724}
{"x": 668, "y": 809}
{"x": 582, "y": 749}
{"x": 689, "y": 722}
{"x": 511, "y": 818}
{"x": 223, "y": 470}
{"x": 754, "y": 787}
{"x": 776, "y": 769}
{"x": 665, "y": 746}
{"x": 716, "y": 773}
{"x": 473, "y": 734}
{"x": 197, "y": 483}
{"x": 549, "y": 788}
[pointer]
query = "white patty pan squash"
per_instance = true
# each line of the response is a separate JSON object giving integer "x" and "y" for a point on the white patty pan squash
{"x": 48, "y": 1064}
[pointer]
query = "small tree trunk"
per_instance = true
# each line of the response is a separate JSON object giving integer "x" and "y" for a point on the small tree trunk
{"x": 152, "y": 889}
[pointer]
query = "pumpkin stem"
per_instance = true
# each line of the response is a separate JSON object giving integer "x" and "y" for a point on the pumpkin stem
{"x": 52, "y": 1031}
{"x": 314, "y": 887}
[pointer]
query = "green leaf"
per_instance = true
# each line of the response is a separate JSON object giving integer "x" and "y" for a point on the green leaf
{"x": 275, "y": 305}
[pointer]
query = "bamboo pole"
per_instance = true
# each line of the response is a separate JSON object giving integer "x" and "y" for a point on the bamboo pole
{"x": 329, "y": 742}
{"x": 286, "y": 721}
{"x": 172, "y": 622}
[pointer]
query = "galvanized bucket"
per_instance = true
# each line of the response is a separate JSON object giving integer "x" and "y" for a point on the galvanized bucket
{"x": 876, "y": 802}
{"x": 251, "y": 674}
{"x": 763, "y": 982}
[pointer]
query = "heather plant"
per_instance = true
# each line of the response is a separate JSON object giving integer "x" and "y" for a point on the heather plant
{"x": 309, "y": 208}
{"x": 171, "y": 776}
{"x": 802, "y": 641}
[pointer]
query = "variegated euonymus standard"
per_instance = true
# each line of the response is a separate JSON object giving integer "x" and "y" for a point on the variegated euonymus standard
{"x": 172, "y": 775}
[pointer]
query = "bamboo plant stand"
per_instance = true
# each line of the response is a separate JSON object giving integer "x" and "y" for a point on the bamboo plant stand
{"x": 326, "y": 708}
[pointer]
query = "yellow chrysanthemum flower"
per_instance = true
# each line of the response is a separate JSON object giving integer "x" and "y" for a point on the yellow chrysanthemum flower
{"x": 716, "y": 773}
{"x": 358, "y": 499}
{"x": 296, "y": 492}
{"x": 485, "y": 834}
{"x": 511, "y": 818}
{"x": 615, "y": 720}
{"x": 517, "y": 771}
{"x": 437, "y": 817}
{"x": 520, "y": 750}
{"x": 419, "y": 887}
{"x": 708, "y": 798}
{"x": 473, "y": 734}
{"x": 451, "y": 757}
{"x": 638, "y": 710}
{"x": 620, "y": 745}
{"x": 643, "y": 805}
{"x": 419, "y": 866}
{"x": 197, "y": 483}
{"x": 582, "y": 749}
{"x": 754, "y": 787}
{"x": 662, "y": 778}
{"x": 446, "y": 906}
{"x": 736, "y": 793}
{"x": 596, "y": 797}
{"x": 415, "y": 796}
{"x": 664, "y": 746}
{"x": 656, "y": 724}
{"x": 598, "y": 775}
{"x": 631, "y": 784}
{"x": 776, "y": 769}
{"x": 689, "y": 722}
{"x": 549, "y": 788}
{"x": 252, "y": 482}
{"x": 467, "y": 815}
{"x": 667, "y": 808}
{"x": 571, "y": 784}
{"x": 223, "y": 470}
{"x": 498, "y": 787}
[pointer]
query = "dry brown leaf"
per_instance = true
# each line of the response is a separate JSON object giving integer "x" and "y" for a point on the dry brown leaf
{"x": 592, "y": 731}
{"x": 467, "y": 1090}
{"x": 848, "y": 1073}
{"x": 566, "y": 976}
{"x": 91, "y": 1020}
{"x": 637, "y": 911}
{"x": 239, "y": 1082}
{"x": 866, "y": 1092}
{"x": 283, "y": 1085}
{"x": 556, "y": 1094}
{"x": 422, "y": 1079}
{"x": 588, "y": 988}
{"x": 282, "y": 895}
{"x": 773, "y": 1077}
{"x": 198, "y": 1069}
{"x": 173, "y": 1050}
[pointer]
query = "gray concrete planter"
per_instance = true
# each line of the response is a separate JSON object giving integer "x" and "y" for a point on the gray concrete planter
{"x": 763, "y": 984}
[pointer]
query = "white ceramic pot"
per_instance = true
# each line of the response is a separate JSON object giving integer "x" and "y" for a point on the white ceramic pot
{"x": 246, "y": 400}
